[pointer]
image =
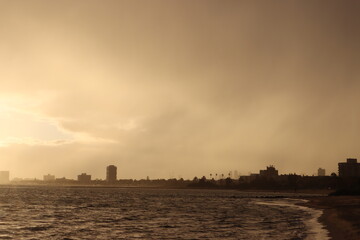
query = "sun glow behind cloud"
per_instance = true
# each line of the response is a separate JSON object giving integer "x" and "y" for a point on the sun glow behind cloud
{"x": 18, "y": 125}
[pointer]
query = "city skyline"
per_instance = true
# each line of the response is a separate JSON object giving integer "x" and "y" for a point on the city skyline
{"x": 348, "y": 168}
{"x": 178, "y": 88}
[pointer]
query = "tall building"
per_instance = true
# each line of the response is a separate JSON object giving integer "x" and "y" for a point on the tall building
{"x": 111, "y": 172}
{"x": 321, "y": 172}
{"x": 84, "y": 178}
{"x": 269, "y": 172}
{"x": 350, "y": 168}
{"x": 49, "y": 178}
{"x": 4, "y": 177}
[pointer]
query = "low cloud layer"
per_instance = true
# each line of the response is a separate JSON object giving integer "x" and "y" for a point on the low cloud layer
{"x": 178, "y": 89}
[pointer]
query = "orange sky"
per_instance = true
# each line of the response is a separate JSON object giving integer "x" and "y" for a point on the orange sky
{"x": 178, "y": 88}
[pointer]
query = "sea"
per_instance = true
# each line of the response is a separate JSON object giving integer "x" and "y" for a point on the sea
{"x": 137, "y": 213}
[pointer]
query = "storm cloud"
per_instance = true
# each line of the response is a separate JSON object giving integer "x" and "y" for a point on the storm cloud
{"x": 178, "y": 88}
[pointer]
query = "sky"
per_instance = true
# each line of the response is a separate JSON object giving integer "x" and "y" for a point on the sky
{"x": 181, "y": 88}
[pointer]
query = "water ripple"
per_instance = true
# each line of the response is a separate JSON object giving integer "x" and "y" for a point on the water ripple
{"x": 102, "y": 213}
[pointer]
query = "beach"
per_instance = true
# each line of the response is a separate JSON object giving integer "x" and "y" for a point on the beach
{"x": 341, "y": 215}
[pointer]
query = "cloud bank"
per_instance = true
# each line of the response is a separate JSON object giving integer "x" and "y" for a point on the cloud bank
{"x": 180, "y": 88}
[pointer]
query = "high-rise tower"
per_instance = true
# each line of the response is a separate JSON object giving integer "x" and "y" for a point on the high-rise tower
{"x": 111, "y": 172}
{"x": 350, "y": 168}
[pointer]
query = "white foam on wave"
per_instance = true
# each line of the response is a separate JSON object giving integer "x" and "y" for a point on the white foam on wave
{"x": 316, "y": 230}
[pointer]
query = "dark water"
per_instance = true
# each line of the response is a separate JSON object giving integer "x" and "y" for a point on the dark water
{"x": 113, "y": 213}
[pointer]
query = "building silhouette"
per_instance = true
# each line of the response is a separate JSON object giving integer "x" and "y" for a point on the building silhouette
{"x": 269, "y": 172}
{"x": 84, "y": 178}
{"x": 350, "y": 168}
{"x": 4, "y": 177}
{"x": 49, "y": 177}
{"x": 111, "y": 173}
{"x": 321, "y": 172}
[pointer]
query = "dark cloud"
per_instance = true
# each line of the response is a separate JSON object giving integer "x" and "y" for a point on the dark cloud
{"x": 184, "y": 87}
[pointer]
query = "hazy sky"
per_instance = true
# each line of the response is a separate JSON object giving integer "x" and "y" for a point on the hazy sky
{"x": 178, "y": 88}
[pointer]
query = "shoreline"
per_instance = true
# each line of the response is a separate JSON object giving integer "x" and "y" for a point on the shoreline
{"x": 341, "y": 215}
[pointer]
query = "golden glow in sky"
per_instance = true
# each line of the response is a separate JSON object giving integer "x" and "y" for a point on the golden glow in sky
{"x": 21, "y": 127}
{"x": 179, "y": 88}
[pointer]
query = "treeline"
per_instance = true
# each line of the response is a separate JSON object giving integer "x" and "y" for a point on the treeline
{"x": 282, "y": 182}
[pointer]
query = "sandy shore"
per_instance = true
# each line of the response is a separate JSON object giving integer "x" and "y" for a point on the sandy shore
{"x": 341, "y": 215}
